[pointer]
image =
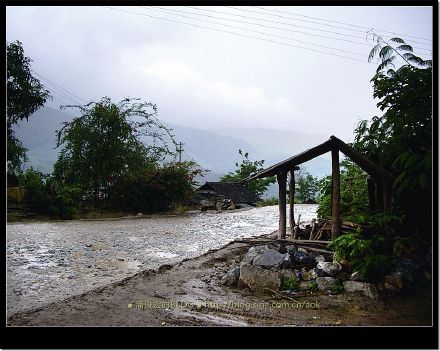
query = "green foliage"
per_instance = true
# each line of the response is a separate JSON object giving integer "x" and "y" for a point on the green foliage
{"x": 268, "y": 202}
{"x": 244, "y": 170}
{"x": 291, "y": 283}
{"x": 105, "y": 143}
{"x": 353, "y": 188}
{"x": 155, "y": 189}
{"x": 46, "y": 197}
{"x": 337, "y": 287}
{"x": 313, "y": 286}
{"x": 307, "y": 189}
{"x": 25, "y": 94}
{"x": 33, "y": 182}
{"x": 366, "y": 255}
{"x": 401, "y": 140}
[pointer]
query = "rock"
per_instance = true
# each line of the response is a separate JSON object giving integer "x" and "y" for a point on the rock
{"x": 303, "y": 286}
{"x": 287, "y": 273}
{"x": 291, "y": 249}
{"x": 393, "y": 282}
{"x": 346, "y": 266}
{"x": 331, "y": 268}
{"x": 258, "y": 279}
{"x": 302, "y": 258}
{"x": 253, "y": 252}
{"x": 356, "y": 276}
{"x": 139, "y": 214}
{"x": 312, "y": 273}
{"x": 269, "y": 259}
{"x": 231, "y": 277}
{"x": 88, "y": 245}
{"x": 325, "y": 283}
{"x": 300, "y": 249}
{"x": 367, "y": 289}
{"x": 320, "y": 258}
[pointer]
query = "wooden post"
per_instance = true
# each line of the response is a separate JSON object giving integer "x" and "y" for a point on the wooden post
{"x": 371, "y": 193}
{"x": 336, "y": 196}
{"x": 282, "y": 180}
{"x": 291, "y": 204}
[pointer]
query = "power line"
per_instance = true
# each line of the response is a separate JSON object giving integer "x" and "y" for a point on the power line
{"x": 348, "y": 24}
{"x": 50, "y": 82}
{"x": 234, "y": 33}
{"x": 297, "y": 26}
{"x": 258, "y": 32}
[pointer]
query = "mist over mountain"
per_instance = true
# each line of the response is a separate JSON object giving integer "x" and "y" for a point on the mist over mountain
{"x": 216, "y": 150}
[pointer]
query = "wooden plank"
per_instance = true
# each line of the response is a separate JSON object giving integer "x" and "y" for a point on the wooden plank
{"x": 291, "y": 204}
{"x": 336, "y": 195}
{"x": 282, "y": 180}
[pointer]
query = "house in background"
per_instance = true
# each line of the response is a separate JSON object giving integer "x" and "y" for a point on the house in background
{"x": 224, "y": 195}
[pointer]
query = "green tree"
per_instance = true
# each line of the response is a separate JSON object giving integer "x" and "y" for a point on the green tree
{"x": 106, "y": 143}
{"x": 307, "y": 188}
{"x": 401, "y": 139}
{"x": 244, "y": 170}
{"x": 25, "y": 95}
{"x": 353, "y": 189}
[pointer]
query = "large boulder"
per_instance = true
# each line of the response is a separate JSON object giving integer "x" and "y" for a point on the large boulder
{"x": 299, "y": 257}
{"x": 331, "y": 268}
{"x": 367, "y": 289}
{"x": 325, "y": 283}
{"x": 253, "y": 252}
{"x": 269, "y": 259}
{"x": 231, "y": 277}
{"x": 259, "y": 279}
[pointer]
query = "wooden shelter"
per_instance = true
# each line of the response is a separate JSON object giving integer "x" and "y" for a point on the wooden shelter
{"x": 379, "y": 181}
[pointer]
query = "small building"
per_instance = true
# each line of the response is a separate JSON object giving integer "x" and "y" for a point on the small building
{"x": 226, "y": 193}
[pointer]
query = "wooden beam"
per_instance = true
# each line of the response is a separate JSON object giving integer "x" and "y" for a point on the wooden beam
{"x": 282, "y": 180}
{"x": 293, "y": 161}
{"x": 367, "y": 165}
{"x": 291, "y": 204}
{"x": 371, "y": 194}
{"x": 336, "y": 195}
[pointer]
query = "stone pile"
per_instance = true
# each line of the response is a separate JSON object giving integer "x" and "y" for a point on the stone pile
{"x": 285, "y": 268}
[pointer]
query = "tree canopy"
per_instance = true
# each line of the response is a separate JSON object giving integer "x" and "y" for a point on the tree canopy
{"x": 401, "y": 139}
{"x": 25, "y": 95}
{"x": 108, "y": 141}
{"x": 244, "y": 170}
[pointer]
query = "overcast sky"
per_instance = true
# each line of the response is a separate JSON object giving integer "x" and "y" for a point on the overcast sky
{"x": 211, "y": 79}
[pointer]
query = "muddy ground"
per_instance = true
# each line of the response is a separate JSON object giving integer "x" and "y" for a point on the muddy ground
{"x": 190, "y": 294}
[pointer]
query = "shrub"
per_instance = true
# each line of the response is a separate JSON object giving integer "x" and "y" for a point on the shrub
{"x": 291, "y": 283}
{"x": 365, "y": 255}
{"x": 313, "y": 286}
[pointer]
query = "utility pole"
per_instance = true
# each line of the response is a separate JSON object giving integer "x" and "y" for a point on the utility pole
{"x": 180, "y": 150}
